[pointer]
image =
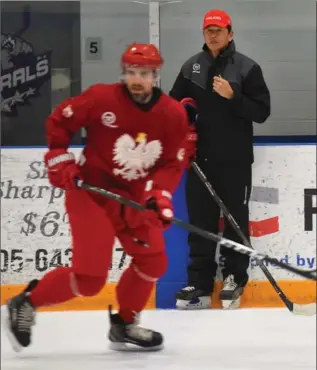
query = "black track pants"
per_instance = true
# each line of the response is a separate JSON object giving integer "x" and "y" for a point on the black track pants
{"x": 233, "y": 186}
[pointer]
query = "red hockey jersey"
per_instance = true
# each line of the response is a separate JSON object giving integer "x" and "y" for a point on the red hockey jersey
{"x": 126, "y": 146}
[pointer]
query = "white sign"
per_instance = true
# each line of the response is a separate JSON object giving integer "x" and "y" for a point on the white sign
{"x": 282, "y": 207}
{"x": 286, "y": 175}
{"x": 35, "y": 236}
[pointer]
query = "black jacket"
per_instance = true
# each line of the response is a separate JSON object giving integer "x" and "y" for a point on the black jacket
{"x": 225, "y": 127}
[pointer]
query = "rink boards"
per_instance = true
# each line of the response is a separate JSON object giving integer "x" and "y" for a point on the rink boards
{"x": 35, "y": 234}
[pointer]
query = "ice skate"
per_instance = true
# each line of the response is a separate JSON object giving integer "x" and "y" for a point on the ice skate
{"x": 230, "y": 295}
{"x": 190, "y": 298}
{"x": 18, "y": 318}
{"x": 132, "y": 337}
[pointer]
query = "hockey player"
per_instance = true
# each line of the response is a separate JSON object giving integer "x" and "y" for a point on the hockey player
{"x": 137, "y": 146}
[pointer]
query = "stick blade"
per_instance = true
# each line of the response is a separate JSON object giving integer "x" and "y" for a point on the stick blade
{"x": 305, "y": 309}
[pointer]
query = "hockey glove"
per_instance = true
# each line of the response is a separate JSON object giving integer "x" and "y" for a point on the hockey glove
{"x": 62, "y": 168}
{"x": 160, "y": 202}
{"x": 190, "y": 145}
{"x": 191, "y": 109}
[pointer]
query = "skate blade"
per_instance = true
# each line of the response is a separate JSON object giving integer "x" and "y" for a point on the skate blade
{"x": 129, "y": 347}
{"x": 230, "y": 305}
{"x": 203, "y": 304}
{"x": 16, "y": 346}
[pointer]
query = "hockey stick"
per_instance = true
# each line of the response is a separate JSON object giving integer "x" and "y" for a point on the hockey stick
{"x": 205, "y": 234}
{"x": 298, "y": 309}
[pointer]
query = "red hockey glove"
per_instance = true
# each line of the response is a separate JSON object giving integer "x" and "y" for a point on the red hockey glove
{"x": 191, "y": 109}
{"x": 160, "y": 202}
{"x": 62, "y": 168}
{"x": 190, "y": 145}
{"x": 191, "y": 138}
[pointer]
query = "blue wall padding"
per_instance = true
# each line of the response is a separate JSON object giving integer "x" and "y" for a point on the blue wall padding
{"x": 177, "y": 249}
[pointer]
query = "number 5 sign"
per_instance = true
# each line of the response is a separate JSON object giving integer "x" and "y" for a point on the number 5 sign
{"x": 93, "y": 48}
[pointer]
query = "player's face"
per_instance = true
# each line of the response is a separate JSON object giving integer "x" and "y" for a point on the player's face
{"x": 140, "y": 82}
{"x": 217, "y": 38}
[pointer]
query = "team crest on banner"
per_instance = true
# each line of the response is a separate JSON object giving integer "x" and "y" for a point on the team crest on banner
{"x": 23, "y": 72}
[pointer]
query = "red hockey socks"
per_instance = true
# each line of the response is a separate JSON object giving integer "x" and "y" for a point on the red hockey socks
{"x": 54, "y": 288}
{"x": 62, "y": 284}
{"x": 133, "y": 292}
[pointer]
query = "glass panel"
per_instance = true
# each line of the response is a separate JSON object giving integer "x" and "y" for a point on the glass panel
{"x": 279, "y": 35}
{"x": 116, "y": 24}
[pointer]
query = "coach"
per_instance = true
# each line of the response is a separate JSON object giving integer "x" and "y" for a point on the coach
{"x": 228, "y": 91}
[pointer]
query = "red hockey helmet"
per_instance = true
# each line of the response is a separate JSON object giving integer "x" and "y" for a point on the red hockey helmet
{"x": 145, "y": 55}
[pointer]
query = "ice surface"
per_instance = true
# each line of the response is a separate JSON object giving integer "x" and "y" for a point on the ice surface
{"x": 245, "y": 339}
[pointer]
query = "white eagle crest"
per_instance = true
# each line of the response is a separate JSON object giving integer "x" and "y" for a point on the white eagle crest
{"x": 135, "y": 156}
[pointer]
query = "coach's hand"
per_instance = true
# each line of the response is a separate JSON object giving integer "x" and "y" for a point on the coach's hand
{"x": 222, "y": 87}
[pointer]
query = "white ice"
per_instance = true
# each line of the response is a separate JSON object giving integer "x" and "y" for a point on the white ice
{"x": 245, "y": 339}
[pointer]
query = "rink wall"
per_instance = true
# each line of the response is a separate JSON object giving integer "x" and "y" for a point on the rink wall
{"x": 35, "y": 235}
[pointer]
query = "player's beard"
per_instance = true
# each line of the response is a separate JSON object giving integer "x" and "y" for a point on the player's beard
{"x": 140, "y": 95}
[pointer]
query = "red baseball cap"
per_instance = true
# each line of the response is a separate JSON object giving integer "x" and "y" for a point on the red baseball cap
{"x": 217, "y": 17}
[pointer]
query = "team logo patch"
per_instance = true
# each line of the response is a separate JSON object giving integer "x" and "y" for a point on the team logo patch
{"x": 134, "y": 157}
{"x": 108, "y": 119}
{"x": 181, "y": 154}
{"x": 23, "y": 72}
{"x": 68, "y": 111}
{"x": 196, "y": 68}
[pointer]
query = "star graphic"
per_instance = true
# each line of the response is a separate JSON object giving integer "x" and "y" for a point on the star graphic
{"x": 18, "y": 98}
{"x": 5, "y": 107}
{"x": 6, "y": 104}
{"x": 30, "y": 91}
